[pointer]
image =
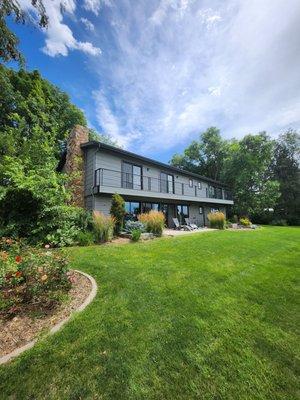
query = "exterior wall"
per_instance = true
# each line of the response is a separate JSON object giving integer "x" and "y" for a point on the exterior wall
{"x": 102, "y": 203}
{"x": 111, "y": 182}
{"x": 195, "y": 216}
{"x": 112, "y": 162}
{"x": 89, "y": 203}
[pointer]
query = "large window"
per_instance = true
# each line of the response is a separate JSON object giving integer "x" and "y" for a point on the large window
{"x": 182, "y": 213}
{"x": 131, "y": 176}
{"x": 215, "y": 192}
{"x": 133, "y": 209}
{"x": 166, "y": 183}
{"x": 146, "y": 207}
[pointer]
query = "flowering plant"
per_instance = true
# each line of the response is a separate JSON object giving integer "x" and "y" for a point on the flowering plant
{"x": 31, "y": 279}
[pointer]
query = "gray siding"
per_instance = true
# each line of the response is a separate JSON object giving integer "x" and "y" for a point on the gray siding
{"x": 102, "y": 204}
{"x": 113, "y": 164}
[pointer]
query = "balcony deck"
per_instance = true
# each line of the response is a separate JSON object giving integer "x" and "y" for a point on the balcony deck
{"x": 110, "y": 181}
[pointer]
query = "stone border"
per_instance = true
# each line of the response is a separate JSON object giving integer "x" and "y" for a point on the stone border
{"x": 59, "y": 325}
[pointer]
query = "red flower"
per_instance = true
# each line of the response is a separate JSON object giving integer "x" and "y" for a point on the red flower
{"x": 18, "y": 274}
{"x": 18, "y": 259}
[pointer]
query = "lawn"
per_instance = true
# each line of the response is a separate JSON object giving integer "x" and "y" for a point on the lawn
{"x": 205, "y": 316}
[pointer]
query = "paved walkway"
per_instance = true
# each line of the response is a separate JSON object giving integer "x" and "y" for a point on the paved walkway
{"x": 173, "y": 232}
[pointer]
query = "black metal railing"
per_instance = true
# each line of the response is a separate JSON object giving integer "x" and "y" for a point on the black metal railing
{"x": 117, "y": 179}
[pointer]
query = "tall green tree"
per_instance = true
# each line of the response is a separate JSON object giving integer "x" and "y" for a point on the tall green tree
{"x": 205, "y": 156}
{"x": 247, "y": 171}
{"x": 35, "y": 119}
{"x": 35, "y": 116}
{"x": 244, "y": 165}
{"x": 8, "y": 40}
{"x": 286, "y": 171}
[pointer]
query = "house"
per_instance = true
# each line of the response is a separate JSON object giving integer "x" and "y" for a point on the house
{"x": 145, "y": 184}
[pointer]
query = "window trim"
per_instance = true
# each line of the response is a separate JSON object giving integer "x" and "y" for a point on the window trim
{"x": 191, "y": 183}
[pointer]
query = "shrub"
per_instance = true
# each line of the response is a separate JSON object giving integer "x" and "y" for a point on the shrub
{"x": 60, "y": 225}
{"x": 135, "y": 235}
{"x": 133, "y": 225}
{"x": 279, "y": 222}
{"x": 216, "y": 220}
{"x": 154, "y": 221}
{"x": 117, "y": 211}
{"x": 85, "y": 238}
{"x": 103, "y": 226}
{"x": 244, "y": 221}
{"x": 33, "y": 280}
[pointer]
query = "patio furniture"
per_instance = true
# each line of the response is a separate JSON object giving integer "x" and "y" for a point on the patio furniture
{"x": 192, "y": 226}
{"x": 178, "y": 226}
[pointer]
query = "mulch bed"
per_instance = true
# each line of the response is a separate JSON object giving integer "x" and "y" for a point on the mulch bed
{"x": 22, "y": 329}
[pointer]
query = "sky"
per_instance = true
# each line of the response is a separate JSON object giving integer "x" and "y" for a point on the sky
{"x": 154, "y": 74}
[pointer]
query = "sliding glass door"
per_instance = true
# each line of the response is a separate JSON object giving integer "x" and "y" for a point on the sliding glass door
{"x": 131, "y": 176}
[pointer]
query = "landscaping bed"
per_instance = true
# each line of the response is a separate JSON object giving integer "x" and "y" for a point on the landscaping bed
{"x": 23, "y": 328}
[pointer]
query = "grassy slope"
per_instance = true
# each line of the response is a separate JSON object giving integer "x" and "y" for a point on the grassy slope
{"x": 206, "y": 316}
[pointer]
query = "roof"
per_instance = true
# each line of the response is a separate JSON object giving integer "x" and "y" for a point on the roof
{"x": 122, "y": 152}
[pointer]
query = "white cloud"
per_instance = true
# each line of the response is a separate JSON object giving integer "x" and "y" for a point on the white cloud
{"x": 59, "y": 37}
{"x": 174, "y": 67}
{"x": 88, "y": 24}
{"x": 95, "y": 5}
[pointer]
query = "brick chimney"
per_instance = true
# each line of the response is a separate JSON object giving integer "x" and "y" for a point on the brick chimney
{"x": 74, "y": 165}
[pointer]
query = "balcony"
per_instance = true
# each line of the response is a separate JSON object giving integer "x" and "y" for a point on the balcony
{"x": 111, "y": 181}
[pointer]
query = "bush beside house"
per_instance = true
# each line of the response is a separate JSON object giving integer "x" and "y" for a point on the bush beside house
{"x": 117, "y": 211}
{"x": 217, "y": 220}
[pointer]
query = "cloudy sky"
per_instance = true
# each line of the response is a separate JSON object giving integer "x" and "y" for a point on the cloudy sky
{"x": 154, "y": 74}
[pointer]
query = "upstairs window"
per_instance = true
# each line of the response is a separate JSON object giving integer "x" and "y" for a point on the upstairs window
{"x": 131, "y": 176}
{"x": 190, "y": 183}
{"x": 166, "y": 183}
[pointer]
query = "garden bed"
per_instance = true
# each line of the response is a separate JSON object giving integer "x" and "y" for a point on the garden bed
{"x": 22, "y": 329}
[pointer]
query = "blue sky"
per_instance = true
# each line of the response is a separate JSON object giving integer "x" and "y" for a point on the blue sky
{"x": 154, "y": 74}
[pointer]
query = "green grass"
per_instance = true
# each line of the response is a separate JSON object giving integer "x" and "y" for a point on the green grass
{"x": 205, "y": 316}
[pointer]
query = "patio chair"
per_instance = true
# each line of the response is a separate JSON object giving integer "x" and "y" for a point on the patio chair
{"x": 180, "y": 227}
{"x": 192, "y": 226}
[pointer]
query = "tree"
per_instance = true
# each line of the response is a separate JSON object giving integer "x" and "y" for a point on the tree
{"x": 117, "y": 210}
{"x": 286, "y": 171}
{"x": 8, "y": 40}
{"x": 206, "y": 156}
{"x": 247, "y": 172}
{"x": 35, "y": 116}
{"x": 101, "y": 137}
{"x": 243, "y": 165}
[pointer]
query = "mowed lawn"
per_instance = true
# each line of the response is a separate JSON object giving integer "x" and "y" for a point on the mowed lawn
{"x": 205, "y": 316}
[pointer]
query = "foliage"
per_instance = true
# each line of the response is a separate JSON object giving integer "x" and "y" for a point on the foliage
{"x": 132, "y": 225}
{"x": 31, "y": 279}
{"x": 279, "y": 222}
{"x": 103, "y": 138}
{"x": 205, "y": 157}
{"x": 154, "y": 221}
{"x": 285, "y": 169}
{"x": 103, "y": 226}
{"x": 135, "y": 235}
{"x": 244, "y": 165}
{"x": 244, "y": 221}
{"x": 117, "y": 211}
{"x": 217, "y": 220}
{"x": 85, "y": 238}
{"x": 35, "y": 118}
{"x": 8, "y": 40}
